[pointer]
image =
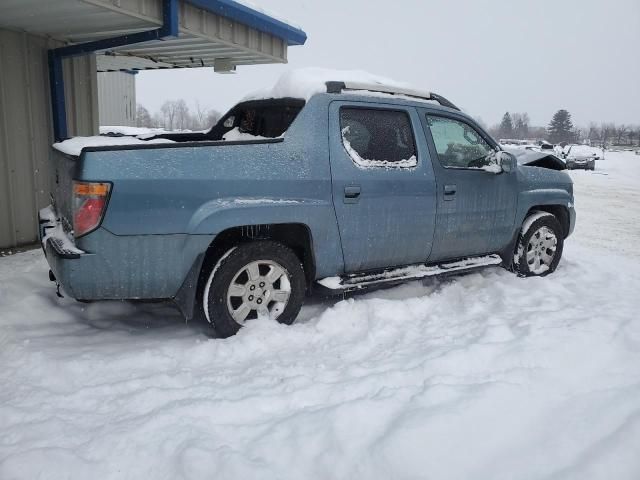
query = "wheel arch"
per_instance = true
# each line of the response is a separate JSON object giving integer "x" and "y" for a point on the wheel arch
{"x": 296, "y": 236}
{"x": 561, "y": 212}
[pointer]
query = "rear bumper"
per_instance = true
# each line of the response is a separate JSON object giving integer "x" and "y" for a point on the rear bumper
{"x": 119, "y": 267}
{"x": 63, "y": 263}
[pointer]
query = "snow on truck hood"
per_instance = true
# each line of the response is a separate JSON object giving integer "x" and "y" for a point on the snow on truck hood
{"x": 74, "y": 146}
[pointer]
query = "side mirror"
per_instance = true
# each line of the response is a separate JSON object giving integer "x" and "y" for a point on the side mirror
{"x": 506, "y": 161}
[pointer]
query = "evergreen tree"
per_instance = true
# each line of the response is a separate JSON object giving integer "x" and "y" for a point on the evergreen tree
{"x": 506, "y": 126}
{"x": 561, "y": 127}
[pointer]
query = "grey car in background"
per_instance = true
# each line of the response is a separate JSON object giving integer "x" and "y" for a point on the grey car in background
{"x": 582, "y": 156}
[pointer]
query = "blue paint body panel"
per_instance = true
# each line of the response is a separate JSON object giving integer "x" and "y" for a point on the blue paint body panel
{"x": 392, "y": 222}
{"x": 169, "y": 202}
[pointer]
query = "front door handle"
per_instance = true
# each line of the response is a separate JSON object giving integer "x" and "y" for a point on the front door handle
{"x": 351, "y": 194}
{"x": 449, "y": 192}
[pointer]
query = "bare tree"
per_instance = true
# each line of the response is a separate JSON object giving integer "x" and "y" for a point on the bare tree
{"x": 607, "y": 131}
{"x": 168, "y": 111}
{"x": 212, "y": 118}
{"x": 621, "y": 132}
{"x": 182, "y": 114}
{"x": 520, "y": 125}
{"x": 199, "y": 118}
{"x": 593, "y": 133}
{"x": 157, "y": 120}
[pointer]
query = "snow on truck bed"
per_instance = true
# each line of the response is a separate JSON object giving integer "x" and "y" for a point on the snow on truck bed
{"x": 485, "y": 376}
{"x": 74, "y": 146}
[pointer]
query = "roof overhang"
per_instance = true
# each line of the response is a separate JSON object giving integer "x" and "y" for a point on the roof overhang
{"x": 211, "y": 33}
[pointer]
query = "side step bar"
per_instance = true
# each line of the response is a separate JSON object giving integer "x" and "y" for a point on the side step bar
{"x": 357, "y": 281}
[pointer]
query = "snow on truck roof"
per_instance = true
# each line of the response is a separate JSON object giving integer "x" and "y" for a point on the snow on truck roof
{"x": 304, "y": 83}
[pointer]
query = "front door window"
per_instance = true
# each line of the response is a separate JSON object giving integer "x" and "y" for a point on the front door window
{"x": 459, "y": 145}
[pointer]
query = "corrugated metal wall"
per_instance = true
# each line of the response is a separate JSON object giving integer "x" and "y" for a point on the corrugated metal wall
{"x": 117, "y": 98}
{"x": 26, "y": 131}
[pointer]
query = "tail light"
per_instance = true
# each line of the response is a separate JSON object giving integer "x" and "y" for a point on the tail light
{"x": 89, "y": 205}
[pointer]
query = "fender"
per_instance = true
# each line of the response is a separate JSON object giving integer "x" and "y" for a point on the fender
{"x": 221, "y": 214}
{"x": 543, "y": 196}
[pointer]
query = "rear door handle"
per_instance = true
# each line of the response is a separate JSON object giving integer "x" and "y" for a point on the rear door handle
{"x": 351, "y": 194}
{"x": 449, "y": 192}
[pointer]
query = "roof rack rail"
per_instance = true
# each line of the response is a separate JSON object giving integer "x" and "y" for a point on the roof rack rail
{"x": 339, "y": 87}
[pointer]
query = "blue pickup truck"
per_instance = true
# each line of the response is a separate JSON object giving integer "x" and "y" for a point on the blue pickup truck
{"x": 354, "y": 187}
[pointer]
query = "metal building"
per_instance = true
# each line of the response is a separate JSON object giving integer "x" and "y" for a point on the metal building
{"x": 117, "y": 98}
{"x": 50, "y": 55}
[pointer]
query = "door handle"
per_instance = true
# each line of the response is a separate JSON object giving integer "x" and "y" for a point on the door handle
{"x": 449, "y": 192}
{"x": 351, "y": 194}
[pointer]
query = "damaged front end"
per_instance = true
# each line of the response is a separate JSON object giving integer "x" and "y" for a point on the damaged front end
{"x": 534, "y": 158}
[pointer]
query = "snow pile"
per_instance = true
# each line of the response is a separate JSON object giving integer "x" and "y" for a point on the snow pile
{"x": 56, "y": 232}
{"x": 134, "y": 131}
{"x": 559, "y": 150}
{"x": 264, "y": 201}
{"x": 410, "y": 272}
{"x": 236, "y": 135}
{"x": 492, "y": 168}
{"x": 486, "y": 376}
{"x": 74, "y": 146}
{"x": 305, "y": 82}
{"x": 608, "y": 205}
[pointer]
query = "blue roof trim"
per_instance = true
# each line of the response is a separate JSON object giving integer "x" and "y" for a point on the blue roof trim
{"x": 258, "y": 20}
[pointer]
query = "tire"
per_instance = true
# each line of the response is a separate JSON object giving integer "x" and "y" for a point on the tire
{"x": 252, "y": 298}
{"x": 535, "y": 255}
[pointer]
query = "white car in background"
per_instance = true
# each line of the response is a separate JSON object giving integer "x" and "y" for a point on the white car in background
{"x": 582, "y": 156}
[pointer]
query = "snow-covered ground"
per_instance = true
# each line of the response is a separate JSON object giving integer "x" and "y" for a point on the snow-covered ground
{"x": 485, "y": 376}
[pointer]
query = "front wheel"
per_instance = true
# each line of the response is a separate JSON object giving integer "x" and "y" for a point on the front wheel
{"x": 256, "y": 280}
{"x": 539, "y": 247}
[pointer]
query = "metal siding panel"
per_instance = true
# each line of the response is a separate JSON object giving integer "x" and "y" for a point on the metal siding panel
{"x": 19, "y": 158}
{"x": 7, "y": 233}
{"x": 40, "y": 131}
{"x": 81, "y": 94}
{"x": 116, "y": 98}
{"x": 26, "y": 132}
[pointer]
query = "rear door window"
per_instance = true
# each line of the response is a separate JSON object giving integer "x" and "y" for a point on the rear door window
{"x": 378, "y": 137}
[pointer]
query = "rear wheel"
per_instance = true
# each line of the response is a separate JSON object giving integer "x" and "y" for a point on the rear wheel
{"x": 539, "y": 246}
{"x": 254, "y": 281}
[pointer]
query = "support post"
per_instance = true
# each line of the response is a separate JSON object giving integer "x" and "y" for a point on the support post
{"x": 58, "y": 106}
{"x": 169, "y": 28}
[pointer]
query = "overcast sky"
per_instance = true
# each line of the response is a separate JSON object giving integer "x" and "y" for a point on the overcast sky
{"x": 488, "y": 57}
